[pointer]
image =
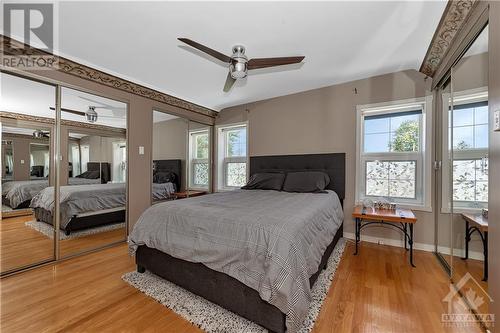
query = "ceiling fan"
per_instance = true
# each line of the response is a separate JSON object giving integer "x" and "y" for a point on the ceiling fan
{"x": 239, "y": 63}
{"x": 39, "y": 134}
{"x": 90, "y": 114}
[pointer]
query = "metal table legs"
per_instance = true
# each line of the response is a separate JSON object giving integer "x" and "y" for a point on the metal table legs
{"x": 406, "y": 228}
{"x": 484, "y": 238}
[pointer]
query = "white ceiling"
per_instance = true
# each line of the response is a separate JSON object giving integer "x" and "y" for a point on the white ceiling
{"x": 33, "y": 98}
{"x": 480, "y": 45}
{"x": 342, "y": 41}
{"x": 159, "y": 116}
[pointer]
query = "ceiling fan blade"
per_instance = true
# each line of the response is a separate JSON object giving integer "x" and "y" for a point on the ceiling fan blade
{"x": 80, "y": 113}
{"x": 271, "y": 62}
{"x": 229, "y": 83}
{"x": 216, "y": 54}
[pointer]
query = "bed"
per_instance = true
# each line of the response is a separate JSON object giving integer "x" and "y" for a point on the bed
{"x": 82, "y": 206}
{"x": 160, "y": 189}
{"x": 18, "y": 194}
{"x": 235, "y": 281}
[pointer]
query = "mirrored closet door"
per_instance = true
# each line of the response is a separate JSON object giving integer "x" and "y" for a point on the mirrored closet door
{"x": 93, "y": 192}
{"x": 170, "y": 156}
{"x": 443, "y": 218}
{"x": 28, "y": 152}
{"x": 468, "y": 127}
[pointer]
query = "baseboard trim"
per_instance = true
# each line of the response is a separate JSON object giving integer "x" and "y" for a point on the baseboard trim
{"x": 417, "y": 246}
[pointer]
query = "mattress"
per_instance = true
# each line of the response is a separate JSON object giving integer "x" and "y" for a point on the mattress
{"x": 17, "y": 192}
{"x": 81, "y": 199}
{"x": 163, "y": 191}
{"x": 268, "y": 240}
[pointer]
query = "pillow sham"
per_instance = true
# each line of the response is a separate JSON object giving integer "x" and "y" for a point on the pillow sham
{"x": 306, "y": 181}
{"x": 161, "y": 177}
{"x": 265, "y": 181}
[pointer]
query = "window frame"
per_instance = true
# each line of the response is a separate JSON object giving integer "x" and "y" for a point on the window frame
{"x": 223, "y": 160}
{"x": 423, "y": 157}
{"x": 193, "y": 160}
{"x": 459, "y": 98}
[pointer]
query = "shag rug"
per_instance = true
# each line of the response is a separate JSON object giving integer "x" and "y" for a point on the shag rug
{"x": 48, "y": 230}
{"x": 214, "y": 319}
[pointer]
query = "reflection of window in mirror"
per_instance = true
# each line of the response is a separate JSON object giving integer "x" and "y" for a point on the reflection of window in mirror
{"x": 466, "y": 129}
{"x": 199, "y": 159}
{"x": 39, "y": 160}
{"x": 8, "y": 160}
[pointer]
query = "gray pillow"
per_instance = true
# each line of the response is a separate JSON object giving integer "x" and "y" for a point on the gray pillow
{"x": 265, "y": 181}
{"x": 306, "y": 181}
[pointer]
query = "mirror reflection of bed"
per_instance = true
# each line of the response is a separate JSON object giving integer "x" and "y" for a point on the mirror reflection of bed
{"x": 26, "y": 168}
{"x": 93, "y": 181}
{"x": 169, "y": 156}
{"x": 92, "y": 173}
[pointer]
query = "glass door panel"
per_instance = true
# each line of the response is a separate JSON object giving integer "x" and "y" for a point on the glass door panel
{"x": 28, "y": 152}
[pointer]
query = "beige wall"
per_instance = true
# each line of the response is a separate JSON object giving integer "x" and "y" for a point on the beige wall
{"x": 494, "y": 155}
{"x": 169, "y": 142}
{"x": 324, "y": 121}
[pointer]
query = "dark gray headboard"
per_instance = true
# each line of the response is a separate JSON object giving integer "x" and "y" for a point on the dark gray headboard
{"x": 103, "y": 167}
{"x": 174, "y": 166}
{"x": 333, "y": 164}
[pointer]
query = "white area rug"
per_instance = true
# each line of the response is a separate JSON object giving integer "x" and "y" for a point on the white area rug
{"x": 212, "y": 318}
{"x": 48, "y": 230}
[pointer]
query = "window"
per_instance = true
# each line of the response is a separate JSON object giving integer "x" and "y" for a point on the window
{"x": 467, "y": 133}
{"x": 392, "y": 153}
{"x": 199, "y": 159}
{"x": 232, "y": 151}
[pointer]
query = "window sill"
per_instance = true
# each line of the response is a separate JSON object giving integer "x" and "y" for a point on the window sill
{"x": 414, "y": 207}
{"x": 459, "y": 210}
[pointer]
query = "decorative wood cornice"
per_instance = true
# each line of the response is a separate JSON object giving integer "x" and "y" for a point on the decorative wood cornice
{"x": 13, "y": 47}
{"x": 454, "y": 16}
{"x": 8, "y": 136}
{"x": 45, "y": 120}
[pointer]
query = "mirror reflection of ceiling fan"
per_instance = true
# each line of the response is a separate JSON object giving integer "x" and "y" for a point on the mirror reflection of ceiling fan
{"x": 39, "y": 134}
{"x": 91, "y": 114}
{"x": 239, "y": 63}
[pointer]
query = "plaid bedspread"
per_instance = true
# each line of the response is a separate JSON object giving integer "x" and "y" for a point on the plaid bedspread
{"x": 270, "y": 241}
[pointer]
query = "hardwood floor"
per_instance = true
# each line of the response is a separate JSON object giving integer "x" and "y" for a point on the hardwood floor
{"x": 376, "y": 291}
{"x": 21, "y": 245}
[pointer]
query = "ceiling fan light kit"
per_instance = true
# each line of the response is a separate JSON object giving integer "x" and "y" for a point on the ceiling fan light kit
{"x": 239, "y": 63}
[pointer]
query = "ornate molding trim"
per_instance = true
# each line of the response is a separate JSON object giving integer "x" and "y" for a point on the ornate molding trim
{"x": 13, "y": 47}
{"x": 7, "y": 136}
{"x": 454, "y": 16}
{"x": 50, "y": 121}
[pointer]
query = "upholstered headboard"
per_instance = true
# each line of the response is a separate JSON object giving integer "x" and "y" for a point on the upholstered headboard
{"x": 104, "y": 168}
{"x": 333, "y": 164}
{"x": 174, "y": 166}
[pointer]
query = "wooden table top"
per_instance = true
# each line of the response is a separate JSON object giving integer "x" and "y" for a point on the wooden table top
{"x": 477, "y": 220}
{"x": 191, "y": 193}
{"x": 386, "y": 215}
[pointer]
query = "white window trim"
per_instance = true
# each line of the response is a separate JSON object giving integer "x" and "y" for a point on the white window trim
{"x": 459, "y": 98}
{"x": 222, "y": 160}
{"x": 193, "y": 161}
{"x": 424, "y": 173}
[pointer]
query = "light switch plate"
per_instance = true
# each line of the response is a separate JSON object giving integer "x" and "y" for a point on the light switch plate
{"x": 496, "y": 121}
{"x": 141, "y": 150}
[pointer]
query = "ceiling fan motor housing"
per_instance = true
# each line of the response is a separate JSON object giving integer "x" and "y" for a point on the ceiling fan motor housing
{"x": 238, "y": 67}
{"x": 91, "y": 114}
